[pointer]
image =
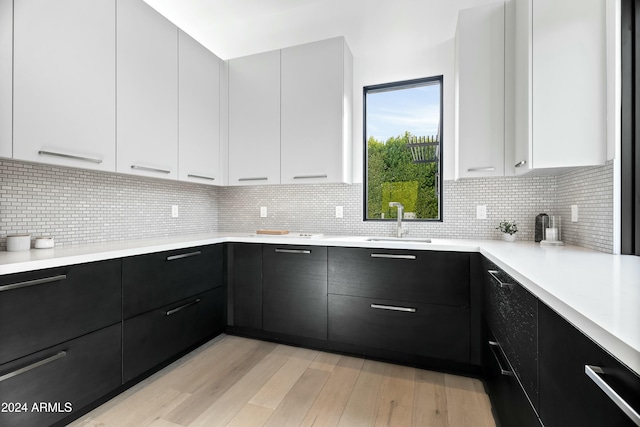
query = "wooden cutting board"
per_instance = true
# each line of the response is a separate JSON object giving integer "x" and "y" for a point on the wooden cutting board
{"x": 276, "y": 232}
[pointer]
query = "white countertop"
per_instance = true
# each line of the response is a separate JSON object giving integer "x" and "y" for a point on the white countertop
{"x": 598, "y": 293}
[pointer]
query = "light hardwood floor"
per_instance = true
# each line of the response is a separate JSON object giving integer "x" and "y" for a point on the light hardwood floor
{"x": 233, "y": 381}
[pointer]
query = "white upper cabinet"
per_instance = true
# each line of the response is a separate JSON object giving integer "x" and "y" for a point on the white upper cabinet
{"x": 63, "y": 82}
{"x": 560, "y": 84}
{"x": 254, "y": 119}
{"x": 147, "y": 91}
{"x": 6, "y": 77}
{"x": 480, "y": 92}
{"x": 316, "y": 112}
{"x": 198, "y": 113}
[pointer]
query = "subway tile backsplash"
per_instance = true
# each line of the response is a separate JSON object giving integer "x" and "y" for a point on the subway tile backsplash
{"x": 79, "y": 206}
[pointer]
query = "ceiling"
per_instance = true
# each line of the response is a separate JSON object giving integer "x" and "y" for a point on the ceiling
{"x": 232, "y": 28}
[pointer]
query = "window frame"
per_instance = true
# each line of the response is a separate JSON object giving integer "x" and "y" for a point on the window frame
{"x": 365, "y": 162}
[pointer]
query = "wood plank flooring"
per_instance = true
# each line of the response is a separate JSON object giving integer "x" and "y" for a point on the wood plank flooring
{"x": 233, "y": 381}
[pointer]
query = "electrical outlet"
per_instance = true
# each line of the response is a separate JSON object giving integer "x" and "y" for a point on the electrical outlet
{"x": 481, "y": 212}
{"x": 263, "y": 211}
{"x": 574, "y": 213}
{"x": 339, "y": 212}
{"x": 174, "y": 211}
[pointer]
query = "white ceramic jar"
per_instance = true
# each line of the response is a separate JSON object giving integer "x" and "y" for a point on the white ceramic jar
{"x": 18, "y": 242}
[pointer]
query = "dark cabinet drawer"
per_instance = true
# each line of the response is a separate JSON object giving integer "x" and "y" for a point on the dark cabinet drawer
{"x": 421, "y": 276}
{"x": 154, "y": 337}
{"x": 154, "y": 280}
{"x": 295, "y": 290}
{"x": 245, "y": 284}
{"x": 67, "y": 376}
{"x": 508, "y": 399}
{"x": 43, "y": 308}
{"x": 568, "y": 396}
{"x": 511, "y": 313}
{"x": 435, "y": 331}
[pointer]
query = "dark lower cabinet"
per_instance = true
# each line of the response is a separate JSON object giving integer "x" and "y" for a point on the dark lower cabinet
{"x": 295, "y": 290}
{"x": 48, "y": 386}
{"x": 429, "y": 330}
{"x": 510, "y": 403}
{"x": 568, "y": 396}
{"x": 244, "y": 277}
{"x": 155, "y": 337}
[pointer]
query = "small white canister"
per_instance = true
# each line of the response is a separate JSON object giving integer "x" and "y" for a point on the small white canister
{"x": 44, "y": 243}
{"x": 18, "y": 242}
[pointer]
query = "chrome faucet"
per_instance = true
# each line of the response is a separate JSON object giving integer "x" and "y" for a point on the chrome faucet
{"x": 401, "y": 230}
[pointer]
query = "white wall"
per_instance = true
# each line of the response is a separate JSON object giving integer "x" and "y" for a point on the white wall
{"x": 392, "y": 67}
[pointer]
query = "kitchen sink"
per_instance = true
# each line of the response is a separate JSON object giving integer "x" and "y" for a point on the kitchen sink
{"x": 399, "y": 239}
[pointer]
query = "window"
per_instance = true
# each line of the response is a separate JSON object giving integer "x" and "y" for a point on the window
{"x": 630, "y": 155}
{"x": 402, "y": 149}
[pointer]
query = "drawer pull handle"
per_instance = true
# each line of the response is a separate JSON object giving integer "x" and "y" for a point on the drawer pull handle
{"x": 33, "y": 282}
{"x": 260, "y": 178}
{"x": 393, "y": 308}
{"x": 293, "y": 251}
{"x": 49, "y": 359}
{"x": 521, "y": 163}
{"x": 148, "y": 169}
{"x": 487, "y": 169}
{"x": 200, "y": 177}
{"x": 594, "y": 373}
{"x": 393, "y": 256}
{"x": 182, "y": 307}
{"x": 309, "y": 176}
{"x": 69, "y": 156}
{"x": 190, "y": 254}
{"x": 502, "y": 284}
{"x": 493, "y": 345}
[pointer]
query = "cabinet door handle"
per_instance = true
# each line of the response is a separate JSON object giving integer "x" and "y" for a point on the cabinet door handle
{"x": 208, "y": 178}
{"x": 500, "y": 282}
{"x": 492, "y": 346}
{"x": 148, "y": 169}
{"x": 35, "y": 365}
{"x": 33, "y": 282}
{"x": 393, "y": 308}
{"x": 594, "y": 373}
{"x": 182, "y": 307}
{"x": 260, "y": 178}
{"x": 309, "y": 176}
{"x": 393, "y": 256}
{"x": 69, "y": 156}
{"x": 487, "y": 169}
{"x": 521, "y": 163}
{"x": 293, "y": 251}
{"x": 187, "y": 255}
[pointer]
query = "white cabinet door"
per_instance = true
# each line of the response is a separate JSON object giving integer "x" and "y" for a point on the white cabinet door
{"x": 480, "y": 92}
{"x": 560, "y": 84}
{"x": 147, "y": 75}
{"x": 64, "y": 82}
{"x": 6, "y": 77}
{"x": 198, "y": 113}
{"x": 254, "y": 119}
{"x": 316, "y": 112}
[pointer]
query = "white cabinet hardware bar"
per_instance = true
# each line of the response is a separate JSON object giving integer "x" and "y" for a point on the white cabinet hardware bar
{"x": 594, "y": 373}
{"x": 33, "y": 366}
{"x": 69, "y": 156}
{"x": 182, "y": 307}
{"x": 393, "y": 308}
{"x": 487, "y": 169}
{"x": 500, "y": 282}
{"x": 33, "y": 282}
{"x": 148, "y": 169}
{"x": 187, "y": 255}
{"x": 393, "y": 256}
{"x": 260, "y": 178}
{"x": 201, "y": 177}
{"x": 493, "y": 345}
{"x": 293, "y": 251}
{"x": 521, "y": 163}
{"x": 309, "y": 176}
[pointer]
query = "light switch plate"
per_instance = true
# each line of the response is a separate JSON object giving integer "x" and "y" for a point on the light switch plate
{"x": 263, "y": 211}
{"x": 339, "y": 212}
{"x": 481, "y": 212}
{"x": 174, "y": 211}
{"x": 574, "y": 213}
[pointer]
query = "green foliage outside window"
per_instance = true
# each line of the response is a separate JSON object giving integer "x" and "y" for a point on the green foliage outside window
{"x": 393, "y": 176}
